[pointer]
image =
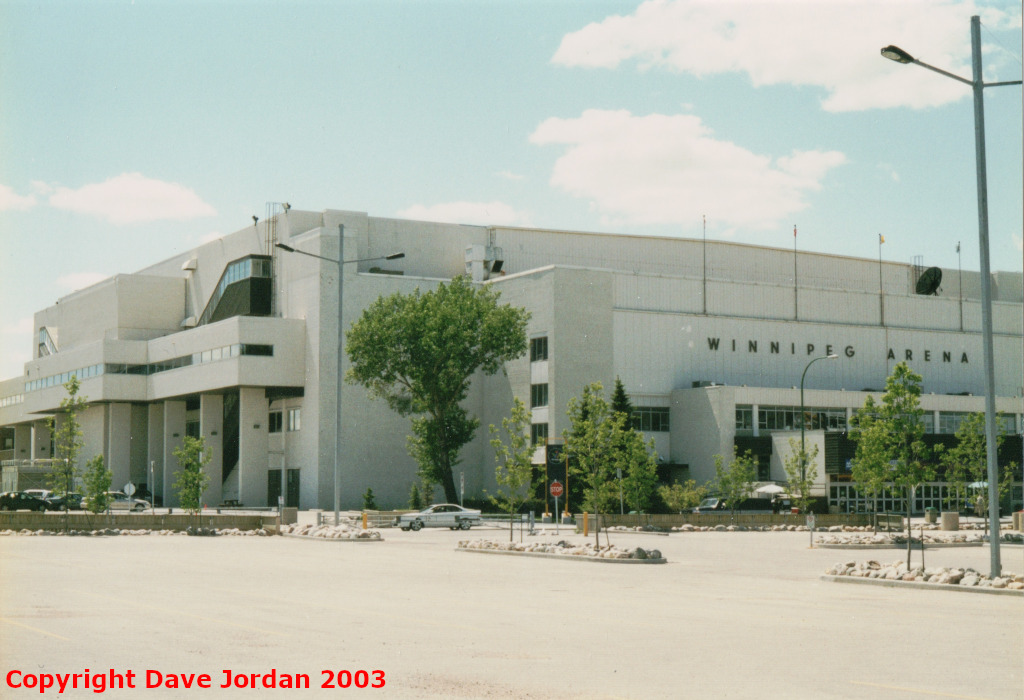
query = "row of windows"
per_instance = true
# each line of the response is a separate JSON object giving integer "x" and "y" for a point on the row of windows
{"x": 771, "y": 418}
{"x": 650, "y": 419}
{"x": 197, "y": 358}
{"x": 276, "y": 420}
{"x": 12, "y": 400}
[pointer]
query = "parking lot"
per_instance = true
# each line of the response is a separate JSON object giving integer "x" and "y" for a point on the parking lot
{"x": 741, "y": 615}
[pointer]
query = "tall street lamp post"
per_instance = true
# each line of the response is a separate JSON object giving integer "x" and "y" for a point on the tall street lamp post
{"x": 803, "y": 419}
{"x": 894, "y": 53}
{"x": 340, "y": 262}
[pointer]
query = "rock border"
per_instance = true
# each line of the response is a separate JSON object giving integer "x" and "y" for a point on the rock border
{"x": 580, "y": 552}
{"x": 345, "y": 532}
{"x": 921, "y": 585}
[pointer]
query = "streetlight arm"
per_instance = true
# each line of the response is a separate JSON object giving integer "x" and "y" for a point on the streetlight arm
{"x": 288, "y": 248}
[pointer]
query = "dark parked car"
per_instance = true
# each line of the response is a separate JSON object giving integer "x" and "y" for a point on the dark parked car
{"x": 17, "y": 500}
{"x": 73, "y": 501}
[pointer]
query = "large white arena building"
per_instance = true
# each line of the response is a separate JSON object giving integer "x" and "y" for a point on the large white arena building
{"x": 236, "y": 341}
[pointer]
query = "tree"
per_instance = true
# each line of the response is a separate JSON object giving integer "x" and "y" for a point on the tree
{"x": 514, "y": 457}
{"x": 735, "y": 482}
{"x": 592, "y": 437}
{"x": 870, "y": 468}
{"x": 97, "y": 480}
{"x": 67, "y": 439}
{"x": 801, "y": 471}
{"x": 967, "y": 460}
{"x": 415, "y": 500}
{"x": 192, "y": 479}
{"x": 419, "y": 351}
{"x": 639, "y": 464}
{"x": 621, "y": 403}
{"x": 683, "y": 498}
{"x": 369, "y": 502}
{"x": 895, "y": 436}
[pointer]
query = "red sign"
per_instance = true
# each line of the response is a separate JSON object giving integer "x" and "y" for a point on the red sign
{"x": 556, "y": 489}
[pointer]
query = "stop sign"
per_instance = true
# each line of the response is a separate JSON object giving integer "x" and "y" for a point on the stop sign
{"x": 556, "y": 489}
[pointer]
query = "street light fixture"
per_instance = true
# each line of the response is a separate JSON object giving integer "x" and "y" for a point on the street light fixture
{"x": 803, "y": 420}
{"x": 978, "y": 85}
{"x": 340, "y": 262}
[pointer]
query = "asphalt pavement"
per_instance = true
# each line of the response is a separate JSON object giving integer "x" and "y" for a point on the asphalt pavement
{"x": 738, "y": 615}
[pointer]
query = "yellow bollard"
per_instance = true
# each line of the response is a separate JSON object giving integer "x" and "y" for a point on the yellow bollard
{"x": 586, "y": 523}
{"x": 364, "y": 521}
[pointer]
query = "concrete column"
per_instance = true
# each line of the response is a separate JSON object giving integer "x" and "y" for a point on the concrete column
{"x": 211, "y": 425}
{"x": 23, "y": 441}
{"x": 754, "y": 410}
{"x": 174, "y": 434}
{"x": 40, "y": 440}
{"x": 155, "y": 450}
{"x": 119, "y": 443}
{"x": 253, "y": 437}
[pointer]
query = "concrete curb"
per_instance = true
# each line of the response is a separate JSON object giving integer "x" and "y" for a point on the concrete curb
{"x": 573, "y": 557}
{"x": 914, "y": 547}
{"x": 334, "y": 539}
{"x": 921, "y": 585}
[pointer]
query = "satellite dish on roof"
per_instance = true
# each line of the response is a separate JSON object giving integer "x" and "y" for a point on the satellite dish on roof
{"x": 929, "y": 281}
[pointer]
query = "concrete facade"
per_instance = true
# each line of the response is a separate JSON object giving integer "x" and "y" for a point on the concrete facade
{"x": 702, "y": 334}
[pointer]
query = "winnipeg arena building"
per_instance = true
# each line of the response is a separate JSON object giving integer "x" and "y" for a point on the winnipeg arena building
{"x": 237, "y": 341}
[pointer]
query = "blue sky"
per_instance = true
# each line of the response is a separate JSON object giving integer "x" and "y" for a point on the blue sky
{"x": 131, "y": 131}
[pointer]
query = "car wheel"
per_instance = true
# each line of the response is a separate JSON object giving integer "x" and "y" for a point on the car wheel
{"x": 415, "y": 525}
{"x": 465, "y": 525}
{"x": 405, "y": 529}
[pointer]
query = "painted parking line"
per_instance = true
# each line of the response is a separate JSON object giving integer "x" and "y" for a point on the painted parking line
{"x": 177, "y": 612}
{"x": 34, "y": 629}
{"x": 918, "y": 691}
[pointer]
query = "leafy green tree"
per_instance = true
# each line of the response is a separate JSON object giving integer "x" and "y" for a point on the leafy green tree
{"x": 735, "y": 482}
{"x": 639, "y": 464}
{"x": 683, "y": 498}
{"x": 419, "y": 351}
{"x": 896, "y": 437}
{"x": 801, "y": 471}
{"x": 67, "y": 439}
{"x": 192, "y": 479}
{"x": 592, "y": 438}
{"x": 369, "y": 502}
{"x": 870, "y": 468}
{"x": 967, "y": 460}
{"x": 415, "y": 500}
{"x": 514, "y": 456}
{"x": 97, "y": 480}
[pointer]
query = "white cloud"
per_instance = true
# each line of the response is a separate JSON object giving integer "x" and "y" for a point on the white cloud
{"x": 484, "y": 213}
{"x": 660, "y": 169}
{"x": 508, "y": 175}
{"x": 79, "y": 280}
{"x": 11, "y": 201}
{"x": 131, "y": 198}
{"x": 831, "y": 44}
{"x": 1018, "y": 240}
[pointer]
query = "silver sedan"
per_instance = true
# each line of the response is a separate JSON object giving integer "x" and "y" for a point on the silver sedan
{"x": 440, "y": 515}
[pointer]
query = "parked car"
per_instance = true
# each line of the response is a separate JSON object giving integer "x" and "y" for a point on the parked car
{"x": 73, "y": 501}
{"x": 439, "y": 515}
{"x": 710, "y": 505}
{"x": 41, "y": 494}
{"x": 19, "y": 500}
{"x": 118, "y": 500}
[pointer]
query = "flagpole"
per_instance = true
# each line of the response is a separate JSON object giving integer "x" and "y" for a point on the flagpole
{"x": 881, "y": 288}
{"x": 796, "y": 308}
{"x": 960, "y": 273}
{"x": 704, "y": 265}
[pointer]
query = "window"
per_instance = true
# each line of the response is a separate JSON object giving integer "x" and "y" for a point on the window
{"x": 276, "y": 421}
{"x": 538, "y": 395}
{"x": 538, "y": 433}
{"x": 538, "y": 349}
{"x": 745, "y": 418}
{"x": 294, "y": 419}
{"x": 192, "y": 428}
{"x": 651, "y": 419}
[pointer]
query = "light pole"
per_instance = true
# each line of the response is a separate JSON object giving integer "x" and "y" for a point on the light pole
{"x": 978, "y": 85}
{"x": 803, "y": 421}
{"x": 340, "y": 262}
